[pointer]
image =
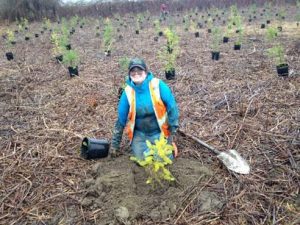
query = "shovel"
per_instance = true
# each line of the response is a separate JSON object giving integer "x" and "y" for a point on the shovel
{"x": 231, "y": 159}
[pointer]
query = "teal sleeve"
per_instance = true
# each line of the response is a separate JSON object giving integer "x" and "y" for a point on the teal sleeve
{"x": 171, "y": 105}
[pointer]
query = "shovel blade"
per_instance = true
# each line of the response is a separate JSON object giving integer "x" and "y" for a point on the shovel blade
{"x": 234, "y": 161}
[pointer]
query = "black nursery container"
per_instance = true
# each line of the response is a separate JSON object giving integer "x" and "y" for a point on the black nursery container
{"x": 225, "y": 39}
{"x": 107, "y": 53}
{"x": 59, "y": 58}
{"x": 73, "y": 71}
{"x": 237, "y": 47}
{"x": 160, "y": 33}
{"x": 282, "y": 70}
{"x": 92, "y": 148}
{"x": 263, "y": 26}
{"x": 170, "y": 75}
{"x": 68, "y": 47}
{"x": 36, "y": 35}
{"x": 9, "y": 56}
{"x": 197, "y": 34}
{"x": 215, "y": 55}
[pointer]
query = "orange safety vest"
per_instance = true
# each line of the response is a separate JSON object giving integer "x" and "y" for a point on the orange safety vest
{"x": 159, "y": 108}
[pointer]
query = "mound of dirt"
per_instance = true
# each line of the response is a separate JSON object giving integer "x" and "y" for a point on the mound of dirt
{"x": 118, "y": 188}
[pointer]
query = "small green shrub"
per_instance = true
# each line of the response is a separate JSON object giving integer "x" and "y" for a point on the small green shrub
{"x": 108, "y": 35}
{"x": 170, "y": 52}
{"x": 155, "y": 162}
{"x": 157, "y": 26}
{"x": 277, "y": 52}
{"x": 216, "y": 39}
{"x": 271, "y": 33}
{"x": 71, "y": 58}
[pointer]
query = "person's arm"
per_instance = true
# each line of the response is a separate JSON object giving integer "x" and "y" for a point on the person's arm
{"x": 123, "y": 110}
{"x": 171, "y": 105}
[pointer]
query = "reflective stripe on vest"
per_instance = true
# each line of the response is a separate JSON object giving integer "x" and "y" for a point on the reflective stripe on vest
{"x": 158, "y": 105}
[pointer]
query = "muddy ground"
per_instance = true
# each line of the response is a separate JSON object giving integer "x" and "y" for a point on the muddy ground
{"x": 119, "y": 188}
{"x": 237, "y": 102}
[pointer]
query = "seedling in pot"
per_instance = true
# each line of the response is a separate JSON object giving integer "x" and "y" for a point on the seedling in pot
{"x": 277, "y": 52}
{"x": 157, "y": 28}
{"x": 216, "y": 40}
{"x": 169, "y": 53}
{"x": 46, "y": 23}
{"x": 271, "y": 34}
{"x": 71, "y": 60}
{"x": 298, "y": 13}
{"x": 10, "y": 40}
{"x": 281, "y": 16}
{"x": 123, "y": 64}
{"x": 108, "y": 37}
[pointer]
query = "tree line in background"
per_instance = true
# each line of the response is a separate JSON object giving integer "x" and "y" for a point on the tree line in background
{"x": 12, "y": 10}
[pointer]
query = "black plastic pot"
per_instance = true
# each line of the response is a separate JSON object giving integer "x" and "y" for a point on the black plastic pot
{"x": 249, "y": 20}
{"x": 208, "y": 30}
{"x": 268, "y": 21}
{"x": 225, "y": 39}
{"x": 297, "y": 24}
{"x": 199, "y": 25}
{"x": 170, "y": 75}
{"x": 279, "y": 28}
{"x": 197, "y": 34}
{"x": 282, "y": 70}
{"x": 237, "y": 47}
{"x": 27, "y": 38}
{"x": 160, "y": 33}
{"x": 73, "y": 71}
{"x": 215, "y": 55}
{"x": 262, "y": 26}
{"x": 81, "y": 26}
{"x": 155, "y": 38}
{"x": 13, "y": 42}
{"x": 59, "y": 58}
{"x": 108, "y": 53}
{"x": 42, "y": 31}
{"x": 36, "y": 35}
{"x": 68, "y": 46}
{"x": 92, "y": 148}
{"x": 9, "y": 56}
{"x": 137, "y": 31}
{"x": 170, "y": 50}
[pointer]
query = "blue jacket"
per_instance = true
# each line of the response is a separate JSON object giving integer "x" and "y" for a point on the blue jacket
{"x": 145, "y": 116}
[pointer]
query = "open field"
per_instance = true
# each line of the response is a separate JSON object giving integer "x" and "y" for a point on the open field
{"x": 236, "y": 102}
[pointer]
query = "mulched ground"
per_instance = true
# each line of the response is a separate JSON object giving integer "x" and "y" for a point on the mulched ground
{"x": 237, "y": 102}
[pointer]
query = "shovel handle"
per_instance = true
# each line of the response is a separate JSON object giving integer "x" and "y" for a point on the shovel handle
{"x": 200, "y": 142}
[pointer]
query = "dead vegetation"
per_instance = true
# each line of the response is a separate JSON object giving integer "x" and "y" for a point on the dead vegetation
{"x": 237, "y": 102}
